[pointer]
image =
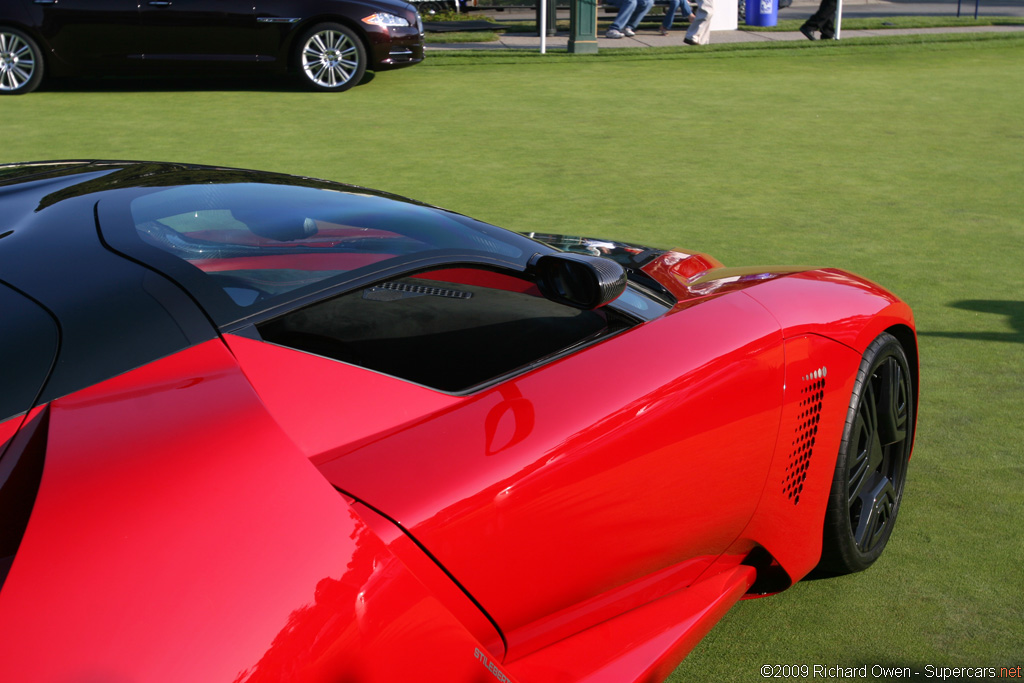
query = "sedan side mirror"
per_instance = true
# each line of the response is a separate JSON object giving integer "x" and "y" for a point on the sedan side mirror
{"x": 578, "y": 280}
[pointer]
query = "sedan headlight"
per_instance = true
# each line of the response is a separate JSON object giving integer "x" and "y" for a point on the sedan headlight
{"x": 385, "y": 19}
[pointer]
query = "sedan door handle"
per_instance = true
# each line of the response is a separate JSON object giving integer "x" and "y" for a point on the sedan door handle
{"x": 160, "y": 3}
{"x": 45, "y": 2}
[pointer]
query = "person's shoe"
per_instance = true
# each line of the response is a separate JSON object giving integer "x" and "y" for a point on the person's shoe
{"x": 690, "y": 41}
{"x": 629, "y": 32}
{"x": 828, "y": 36}
{"x": 691, "y": 18}
{"x": 663, "y": 31}
{"x": 614, "y": 33}
{"x": 808, "y": 31}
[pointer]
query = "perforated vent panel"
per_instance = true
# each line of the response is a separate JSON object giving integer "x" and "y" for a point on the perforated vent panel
{"x": 811, "y": 395}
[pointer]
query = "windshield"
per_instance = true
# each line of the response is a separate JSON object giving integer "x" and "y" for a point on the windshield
{"x": 248, "y": 246}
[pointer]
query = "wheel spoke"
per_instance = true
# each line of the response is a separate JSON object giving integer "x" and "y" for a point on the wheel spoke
{"x": 876, "y": 514}
{"x": 867, "y": 453}
{"x": 892, "y": 403}
{"x": 17, "y": 62}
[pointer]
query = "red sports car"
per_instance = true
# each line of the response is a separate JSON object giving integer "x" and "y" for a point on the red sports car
{"x": 259, "y": 427}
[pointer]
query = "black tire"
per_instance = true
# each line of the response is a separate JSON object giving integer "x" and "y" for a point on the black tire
{"x": 330, "y": 58}
{"x": 433, "y": 7}
{"x": 871, "y": 469}
{"x": 21, "y": 63}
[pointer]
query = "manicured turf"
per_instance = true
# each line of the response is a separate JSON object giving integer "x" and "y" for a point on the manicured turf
{"x": 903, "y": 162}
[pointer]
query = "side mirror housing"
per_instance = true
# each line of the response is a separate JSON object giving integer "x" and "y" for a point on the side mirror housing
{"x": 578, "y": 280}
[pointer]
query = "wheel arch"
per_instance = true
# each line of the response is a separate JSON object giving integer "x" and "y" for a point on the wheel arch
{"x": 908, "y": 340}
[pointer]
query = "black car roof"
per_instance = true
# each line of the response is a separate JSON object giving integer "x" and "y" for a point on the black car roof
{"x": 69, "y": 242}
{"x": 112, "y": 314}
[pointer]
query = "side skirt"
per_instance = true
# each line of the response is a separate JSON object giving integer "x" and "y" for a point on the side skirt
{"x": 642, "y": 645}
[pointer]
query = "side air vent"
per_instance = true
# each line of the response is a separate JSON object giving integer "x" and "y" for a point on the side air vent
{"x": 811, "y": 395}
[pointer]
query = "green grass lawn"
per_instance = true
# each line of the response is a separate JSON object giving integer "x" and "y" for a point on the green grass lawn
{"x": 903, "y": 162}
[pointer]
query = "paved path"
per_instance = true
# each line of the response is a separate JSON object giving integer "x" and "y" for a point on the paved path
{"x": 801, "y": 9}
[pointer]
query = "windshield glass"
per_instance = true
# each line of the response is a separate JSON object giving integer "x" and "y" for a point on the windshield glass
{"x": 254, "y": 242}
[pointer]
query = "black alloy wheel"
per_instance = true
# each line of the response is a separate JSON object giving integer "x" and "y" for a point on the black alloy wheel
{"x": 331, "y": 57}
{"x": 21, "y": 63}
{"x": 871, "y": 469}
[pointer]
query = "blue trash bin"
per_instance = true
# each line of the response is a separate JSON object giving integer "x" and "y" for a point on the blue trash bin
{"x": 762, "y": 12}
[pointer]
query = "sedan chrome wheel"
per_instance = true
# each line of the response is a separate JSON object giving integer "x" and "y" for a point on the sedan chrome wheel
{"x": 332, "y": 58}
{"x": 21, "y": 66}
{"x": 872, "y": 465}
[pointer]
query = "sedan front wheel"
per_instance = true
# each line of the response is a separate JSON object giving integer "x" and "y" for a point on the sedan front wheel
{"x": 21, "y": 63}
{"x": 331, "y": 57}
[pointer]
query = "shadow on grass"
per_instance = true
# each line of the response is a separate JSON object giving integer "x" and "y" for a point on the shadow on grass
{"x": 268, "y": 84}
{"x": 1014, "y": 310}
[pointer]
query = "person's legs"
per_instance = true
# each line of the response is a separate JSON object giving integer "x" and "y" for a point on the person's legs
{"x": 826, "y": 13}
{"x": 828, "y": 29}
{"x": 642, "y": 8}
{"x": 700, "y": 28}
{"x": 626, "y": 9}
{"x": 670, "y": 13}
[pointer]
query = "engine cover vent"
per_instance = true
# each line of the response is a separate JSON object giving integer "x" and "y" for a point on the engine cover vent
{"x": 393, "y": 291}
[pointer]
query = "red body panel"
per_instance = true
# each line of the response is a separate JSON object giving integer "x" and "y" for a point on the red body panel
{"x": 644, "y": 644}
{"x": 833, "y": 304}
{"x": 322, "y": 403}
{"x": 574, "y": 481}
{"x": 178, "y": 535}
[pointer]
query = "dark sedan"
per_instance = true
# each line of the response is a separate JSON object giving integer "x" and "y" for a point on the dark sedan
{"x": 329, "y": 43}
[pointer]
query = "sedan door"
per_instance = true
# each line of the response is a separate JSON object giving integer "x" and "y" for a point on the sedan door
{"x": 217, "y": 31}
{"x": 91, "y": 34}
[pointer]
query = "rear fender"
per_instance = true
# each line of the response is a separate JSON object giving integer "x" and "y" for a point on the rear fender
{"x": 174, "y": 516}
